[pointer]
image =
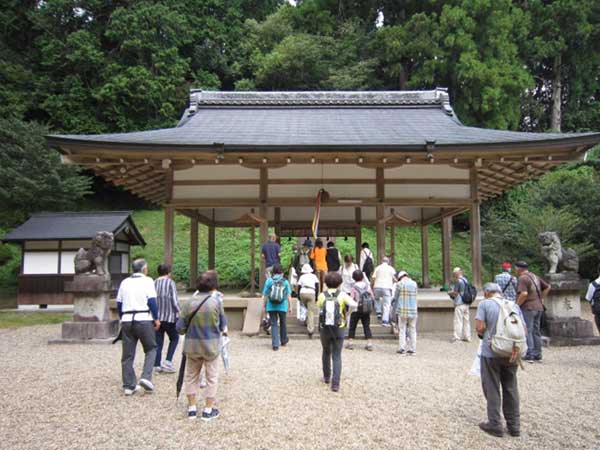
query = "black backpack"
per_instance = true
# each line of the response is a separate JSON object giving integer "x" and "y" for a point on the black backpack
{"x": 278, "y": 291}
{"x": 333, "y": 259}
{"x": 596, "y": 298}
{"x": 331, "y": 320}
{"x": 365, "y": 300}
{"x": 368, "y": 266}
{"x": 470, "y": 293}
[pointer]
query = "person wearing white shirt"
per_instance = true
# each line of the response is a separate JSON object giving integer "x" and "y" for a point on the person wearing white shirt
{"x": 308, "y": 283}
{"x": 346, "y": 271}
{"x": 138, "y": 310}
{"x": 594, "y": 291}
{"x": 383, "y": 286}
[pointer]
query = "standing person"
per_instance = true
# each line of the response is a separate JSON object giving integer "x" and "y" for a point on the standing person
{"x": 136, "y": 303}
{"x": 366, "y": 261}
{"x": 362, "y": 294}
{"x": 462, "y": 318}
{"x": 308, "y": 285}
{"x": 333, "y": 305}
{"x": 593, "y": 296}
{"x": 168, "y": 312}
{"x": 270, "y": 253}
{"x": 383, "y": 284}
{"x": 497, "y": 371}
{"x": 333, "y": 257}
{"x": 531, "y": 291}
{"x": 319, "y": 257}
{"x": 406, "y": 311}
{"x": 347, "y": 272}
{"x": 277, "y": 293}
{"x": 203, "y": 321}
{"x": 507, "y": 282}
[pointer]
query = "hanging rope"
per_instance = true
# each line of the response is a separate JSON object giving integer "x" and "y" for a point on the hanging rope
{"x": 316, "y": 218}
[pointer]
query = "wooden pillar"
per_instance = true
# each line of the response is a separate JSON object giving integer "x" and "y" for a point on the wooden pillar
{"x": 169, "y": 234}
{"x": 393, "y": 245}
{"x": 263, "y": 230}
{"x": 211, "y": 246}
{"x": 475, "y": 225}
{"x": 193, "y": 250}
{"x": 446, "y": 240}
{"x": 253, "y": 260}
{"x": 277, "y": 222}
{"x": 425, "y": 253}
{"x": 380, "y": 211}
{"x": 358, "y": 238}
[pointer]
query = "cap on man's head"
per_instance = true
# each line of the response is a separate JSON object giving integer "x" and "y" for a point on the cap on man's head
{"x": 401, "y": 274}
{"x": 456, "y": 270}
{"x": 506, "y": 265}
{"x": 522, "y": 265}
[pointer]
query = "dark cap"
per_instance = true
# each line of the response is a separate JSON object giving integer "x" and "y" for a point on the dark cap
{"x": 521, "y": 265}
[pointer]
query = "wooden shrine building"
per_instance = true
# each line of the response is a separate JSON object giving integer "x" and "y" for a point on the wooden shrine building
{"x": 387, "y": 159}
{"x": 49, "y": 242}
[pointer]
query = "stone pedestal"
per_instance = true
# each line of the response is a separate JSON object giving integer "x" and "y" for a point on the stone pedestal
{"x": 91, "y": 320}
{"x": 564, "y": 324}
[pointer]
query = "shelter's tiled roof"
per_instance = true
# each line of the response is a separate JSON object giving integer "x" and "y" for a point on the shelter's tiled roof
{"x": 263, "y": 120}
{"x": 74, "y": 225}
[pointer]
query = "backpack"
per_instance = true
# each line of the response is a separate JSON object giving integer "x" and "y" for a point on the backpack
{"x": 330, "y": 316}
{"x": 596, "y": 298}
{"x": 510, "y": 331}
{"x": 365, "y": 300}
{"x": 470, "y": 293}
{"x": 333, "y": 259}
{"x": 368, "y": 266}
{"x": 278, "y": 291}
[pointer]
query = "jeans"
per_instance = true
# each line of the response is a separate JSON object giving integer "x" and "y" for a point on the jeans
{"x": 132, "y": 333}
{"x": 169, "y": 328}
{"x": 533, "y": 319}
{"x": 365, "y": 319}
{"x": 383, "y": 302}
{"x": 597, "y": 320}
{"x": 278, "y": 328}
{"x": 411, "y": 324}
{"x": 496, "y": 372}
{"x": 332, "y": 342}
{"x": 462, "y": 323}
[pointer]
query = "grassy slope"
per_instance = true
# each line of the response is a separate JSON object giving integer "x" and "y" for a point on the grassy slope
{"x": 233, "y": 254}
{"x": 26, "y": 319}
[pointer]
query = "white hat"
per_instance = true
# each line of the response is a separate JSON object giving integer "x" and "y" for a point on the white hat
{"x": 456, "y": 270}
{"x": 306, "y": 268}
{"x": 401, "y": 274}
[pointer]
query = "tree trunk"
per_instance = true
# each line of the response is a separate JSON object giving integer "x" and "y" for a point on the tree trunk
{"x": 555, "y": 119}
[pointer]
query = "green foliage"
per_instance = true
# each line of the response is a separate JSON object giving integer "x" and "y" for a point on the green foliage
{"x": 27, "y": 319}
{"x": 32, "y": 177}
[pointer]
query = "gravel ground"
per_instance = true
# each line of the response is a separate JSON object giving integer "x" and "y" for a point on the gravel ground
{"x": 69, "y": 397}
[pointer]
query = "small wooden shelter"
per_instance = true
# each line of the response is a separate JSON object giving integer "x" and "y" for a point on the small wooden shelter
{"x": 49, "y": 242}
{"x": 233, "y": 152}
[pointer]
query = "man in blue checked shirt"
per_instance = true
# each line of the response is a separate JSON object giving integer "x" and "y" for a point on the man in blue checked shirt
{"x": 507, "y": 282}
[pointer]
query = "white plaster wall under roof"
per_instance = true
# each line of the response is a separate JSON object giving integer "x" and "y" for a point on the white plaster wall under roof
{"x": 322, "y": 171}
{"x": 40, "y": 263}
{"x": 311, "y": 190}
{"x": 427, "y": 191}
{"x": 216, "y": 172}
{"x": 215, "y": 192}
{"x": 416, "y": 171}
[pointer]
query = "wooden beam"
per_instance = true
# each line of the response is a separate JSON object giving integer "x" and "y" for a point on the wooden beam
{"x": 252, "y": 260}
{"x": 446, "y": 248}
{"x": 393, "y": 244}
{"x": 263, "y": 229}
{"x": 444, "y": 213}
{"x": 211, "y": 246}
{"x": 169, "y": 237}
{"x": 319, "y": 181}
{"x": 193, "y": 250}
{"x": 358, "y": 237}
{"x": 425, "y": 253}
{"x": 475, "y": 226}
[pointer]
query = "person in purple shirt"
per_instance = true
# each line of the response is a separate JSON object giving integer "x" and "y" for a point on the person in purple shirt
{"x": 270, "y": 253}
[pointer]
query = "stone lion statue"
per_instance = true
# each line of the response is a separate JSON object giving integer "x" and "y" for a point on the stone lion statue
{"x": 559, "y": 259}
{"x": 95, "y": 260}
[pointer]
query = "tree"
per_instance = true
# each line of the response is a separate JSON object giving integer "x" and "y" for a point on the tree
{"x": 32, "y": 177}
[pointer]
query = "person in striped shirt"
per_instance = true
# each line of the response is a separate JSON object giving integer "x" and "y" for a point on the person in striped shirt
{"x": 168, "y": 313}
{"x": 406, "y": 311}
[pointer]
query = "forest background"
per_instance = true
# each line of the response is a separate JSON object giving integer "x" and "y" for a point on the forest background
{"x": 98, "y": 66}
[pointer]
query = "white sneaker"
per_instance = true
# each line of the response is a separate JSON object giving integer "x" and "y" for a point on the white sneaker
{"x": 146, "y": 384}
{"x": 168, "y": 367}
{"x": 158, "y": 369}
{"x": 130, "y": 392}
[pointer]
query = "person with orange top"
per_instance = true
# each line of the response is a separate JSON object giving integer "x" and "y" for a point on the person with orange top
{"x": 319, "y": 257}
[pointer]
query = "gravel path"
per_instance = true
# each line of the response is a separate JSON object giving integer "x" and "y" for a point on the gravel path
{"x": 69, "y": 397}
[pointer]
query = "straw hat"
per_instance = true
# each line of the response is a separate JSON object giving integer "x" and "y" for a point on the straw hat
{"x": 306, "y": 268}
